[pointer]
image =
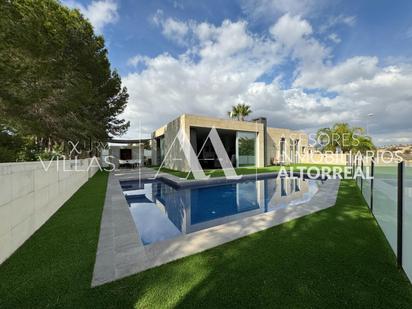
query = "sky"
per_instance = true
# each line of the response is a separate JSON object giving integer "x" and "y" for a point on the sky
{"x": 303, "y": 64}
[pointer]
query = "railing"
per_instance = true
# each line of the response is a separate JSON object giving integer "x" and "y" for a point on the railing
{"x": 387, "y": 189}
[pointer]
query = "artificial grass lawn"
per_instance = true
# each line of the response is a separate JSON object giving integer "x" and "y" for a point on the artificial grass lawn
{"x": 334, "y": 258}
{"x": 246, "y": 170}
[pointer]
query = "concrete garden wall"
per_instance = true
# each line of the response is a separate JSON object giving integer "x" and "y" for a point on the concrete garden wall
{"x": 321, "y": 158}
{"x": 30, "y": 195}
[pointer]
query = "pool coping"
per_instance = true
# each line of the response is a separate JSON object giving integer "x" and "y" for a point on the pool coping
{"x": 121, "y": 253}
{"x": 182, "y": 183}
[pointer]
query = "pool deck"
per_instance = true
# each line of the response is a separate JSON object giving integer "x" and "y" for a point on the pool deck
{"x": 121, "y": 253}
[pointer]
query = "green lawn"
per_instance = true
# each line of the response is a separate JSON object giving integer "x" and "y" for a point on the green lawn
{"x": 335, "y": 258}
{"x": 245, "y": 170}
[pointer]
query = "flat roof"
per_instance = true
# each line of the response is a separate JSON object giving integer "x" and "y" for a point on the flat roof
{"x": 128, "y": 141}
{"x": 209, "y": 121}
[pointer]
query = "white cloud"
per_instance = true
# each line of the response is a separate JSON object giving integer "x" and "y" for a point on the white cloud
{"x": 402, "y": 137}
{"x": 334, "y": 38}
{"x": 290, "y": 30}
{"x": 224, "y": 41}
{"x": 137, "y": 59}
{"x": 173, "y": 29}
{"x": 223, "y": 65}
{"x": 294, "y": 33}
{"x": 257, "y": 9}
{"x": 207, "y": 79}
{"x": 333, "y": 21}
{"x": 362, "y": 87}
{"x": 171, "y": 86}
{"x": 178, "y": 5}
{"x": 330, "y": 76}
{"x": 99, "y": 13}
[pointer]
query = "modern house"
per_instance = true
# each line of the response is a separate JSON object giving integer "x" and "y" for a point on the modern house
{"x": 247, "y": 143}
{"x": 127, "y": 153}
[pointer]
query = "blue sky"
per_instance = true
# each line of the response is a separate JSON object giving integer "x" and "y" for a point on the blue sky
{"x": 304, "y": 64}
{"x": 381, "y": 27}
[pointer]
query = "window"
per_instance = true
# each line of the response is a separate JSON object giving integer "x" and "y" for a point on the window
{"x": 282, "y": 149}
{"x": 125, "y": 154}
{"x": 246, "y": 148}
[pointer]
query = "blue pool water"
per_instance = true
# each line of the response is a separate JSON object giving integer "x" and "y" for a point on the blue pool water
{"x": 162, "y": 212}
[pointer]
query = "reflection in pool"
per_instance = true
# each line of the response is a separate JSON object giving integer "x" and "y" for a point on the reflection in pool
{"x": 163, "y": 212}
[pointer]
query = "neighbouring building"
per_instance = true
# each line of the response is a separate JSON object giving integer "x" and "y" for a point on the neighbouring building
{"x": 247, "y": 143}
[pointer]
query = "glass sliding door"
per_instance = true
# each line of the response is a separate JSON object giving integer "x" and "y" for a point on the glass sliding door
{"x": 296, "y": 151}
{"x": 161, "y": 149}
{"x": 282, "y": 150}
{"x": 245, "y": 149}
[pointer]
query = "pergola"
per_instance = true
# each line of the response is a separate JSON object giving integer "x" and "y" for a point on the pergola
{"x": 128, "y": 141}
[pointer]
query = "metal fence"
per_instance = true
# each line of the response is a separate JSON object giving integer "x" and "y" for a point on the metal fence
{"x": 387, "y": 189}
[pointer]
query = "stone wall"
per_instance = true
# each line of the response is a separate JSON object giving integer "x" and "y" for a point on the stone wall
{"x": 31, "y": 192}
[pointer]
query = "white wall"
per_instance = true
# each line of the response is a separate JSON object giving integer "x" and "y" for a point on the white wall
{"x": 30, "y": 195}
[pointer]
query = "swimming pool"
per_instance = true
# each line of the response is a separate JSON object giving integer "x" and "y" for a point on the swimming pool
{"x": 162, "y": 212}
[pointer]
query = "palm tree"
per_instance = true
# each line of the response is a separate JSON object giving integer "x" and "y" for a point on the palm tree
{"x": 364, "y": 144}
{"x": 344, "y": 138}
{"x": 240, "y": 111}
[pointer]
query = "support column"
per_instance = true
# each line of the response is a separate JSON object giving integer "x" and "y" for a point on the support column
{"x": 400, "y": 214}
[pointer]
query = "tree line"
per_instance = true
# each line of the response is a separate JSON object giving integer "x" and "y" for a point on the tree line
{"x": 56, "y": 82}
{"x": 341, "y": 137}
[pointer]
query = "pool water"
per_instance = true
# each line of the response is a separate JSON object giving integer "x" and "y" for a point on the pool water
{"x": 162, "y": 212}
